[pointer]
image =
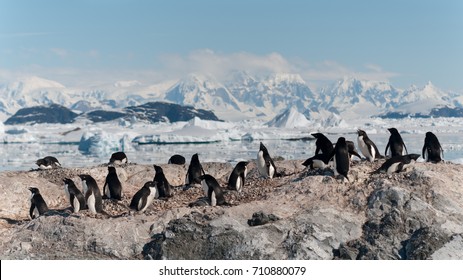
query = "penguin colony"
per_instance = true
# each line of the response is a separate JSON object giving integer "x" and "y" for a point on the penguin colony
{"x": 334, "y": 156}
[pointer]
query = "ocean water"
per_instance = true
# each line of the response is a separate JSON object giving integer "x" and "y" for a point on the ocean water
{"x": 22, "y": 156}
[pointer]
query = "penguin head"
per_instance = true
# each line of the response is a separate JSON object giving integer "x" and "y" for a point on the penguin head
{"x": 111, "y": 169}
{"x": 393, "y": 130}
{"x": 158, "y": 169}
{"x": 262, "y": 148}
{"x": 68, "y": 181}
{"x": 34, "y": 190}
{"x": 40, "y": 162}
{"x": 361, "y": 132}
{"x": 414, "y": 156}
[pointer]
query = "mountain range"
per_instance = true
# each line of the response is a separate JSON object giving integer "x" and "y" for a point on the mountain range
{"x": 241, "y": 96}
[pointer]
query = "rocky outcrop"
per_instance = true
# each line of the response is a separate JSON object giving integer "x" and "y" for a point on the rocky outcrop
{"x": 417, "y": 214}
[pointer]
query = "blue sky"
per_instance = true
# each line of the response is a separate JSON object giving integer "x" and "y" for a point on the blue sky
{"x": 403, "y": 42}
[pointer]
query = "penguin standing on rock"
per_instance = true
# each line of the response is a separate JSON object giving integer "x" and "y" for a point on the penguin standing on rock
{"x": 112, "y": 187}
{"x": 323, "y": 144}
{"x": 164, "y": 188}
{"x": 213, "y": 190}
{"x": 195, "y": 170}
{"x": 92, "y": 194}
{"x": 265, "y": 163}
{"x": 237, "y": 177}
{"x": 144, "y": 197}
{"x": 38, "y": 205}
{"x": 366, "y": 146}
{"x": 74, "y": 195}
{"x": 432, "y": 150}
{"x": 395, "y": 144}
{"x": 341, "y": 158}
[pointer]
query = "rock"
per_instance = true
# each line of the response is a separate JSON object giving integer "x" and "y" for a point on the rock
{"x": 305, "y": 214}
{"x": 260, "y": 218}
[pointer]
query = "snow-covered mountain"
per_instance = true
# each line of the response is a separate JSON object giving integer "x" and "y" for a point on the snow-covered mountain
{"x": 241, "y": 96}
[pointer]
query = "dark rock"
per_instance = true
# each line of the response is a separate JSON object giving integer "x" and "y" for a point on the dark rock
{"x": 53, "y": 113}
{"x": 260, "y": 218}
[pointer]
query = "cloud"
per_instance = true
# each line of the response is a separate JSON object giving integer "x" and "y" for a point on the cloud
{"x": 62, "y": 53}
{"x": 220, "y": 65}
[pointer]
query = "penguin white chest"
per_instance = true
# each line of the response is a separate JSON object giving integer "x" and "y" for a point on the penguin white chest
{"x": 239, "y": 184}
{"x": 261, "y": 164}
{"x": 213, "y": 199}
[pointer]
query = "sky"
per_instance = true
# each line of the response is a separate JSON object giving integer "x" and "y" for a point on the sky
{"x": 90, "y": 42}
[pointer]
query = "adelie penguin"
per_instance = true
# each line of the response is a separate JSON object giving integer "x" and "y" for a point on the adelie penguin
{"x": 265, "y": 163}
{"x": 144, "y": 197}
{"x": 38, "y": 204}
{"x": 318, "y": 161}
{"x": 322, "y": 144}
{"x": 395, "y": 144}
{"x": 176, "y": 159}
{"x": 397, "y": 164}
{"x": 341, "y": 158}
{"x": 195, "y": 170}
{"x": 366, "y": 146}
{"x": 112, "y": 187}
{"x": 118, "y": 158}
{"x": 212, "y": 190}
{"x": 237, "y": 177}
{"x": 92, "y": 194}
{"x": 164, "y": 188}
{"x": 432, "y": 150}
{"x": 48, "y": 162}
{"x": 74, "y": 195}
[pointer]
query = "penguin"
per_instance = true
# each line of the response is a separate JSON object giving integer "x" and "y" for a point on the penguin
{"x": 112, "y": 187}
{"x": 323, "y": 144}
{"x": 341, "y": 158}
{"x": 74, "y": 195}
{"x": 164, "y": 188}
{"x": 92, "y": 194}
{"x": 397, "y": 164}
{"x": 352, "y": 150}
{"x": 395, "y": 144}
{"x": 265, "y": 163}
{"x": 432, "y": 150}
{"x": 144, "y": 197}
{"x": 118, "y": 158}
{"x": 195, "y": 170}
{"x": 238, "y": 175}
{"x": 176, "y": 159}
{"x": 48, "y": 162}
{"x": 318, "y": 161}
{"x": 212, "y": 190}
{"x": 366, "y": 146}
{"x": 38, "y": 204}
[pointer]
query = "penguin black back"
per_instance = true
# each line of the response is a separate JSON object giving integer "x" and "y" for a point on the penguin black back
{"x": 144, "y": 197}
{"x": 397, "y": 164}
{"x": 195, "y": 170}
{"x": 322, "y": 144}
{"x": 92, "y": 193}
{"x": 238, "y": 176}
{"x": 341, "y": 158}
{"x": 74, "y": 195}
{"x": 118, "y": 158}
{"x": 177, "y": 159}
{"x": 214, "y": 191}
{"x": 432, "y": 150}
{"x": 395, "y": 144}
{"x": 164, "y": 188}
{"x": 48, "y": 162}
{"x": 112, "y": 187}
{"x": 38, "y": 204}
